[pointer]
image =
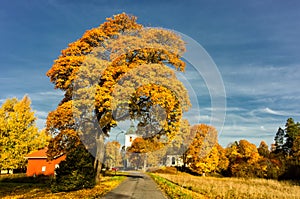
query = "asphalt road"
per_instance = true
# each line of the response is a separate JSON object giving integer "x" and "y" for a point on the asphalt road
{"x": 136, "y": 186}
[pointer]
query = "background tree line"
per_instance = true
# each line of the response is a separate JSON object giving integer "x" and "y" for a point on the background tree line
{"x": 244, "y": 159}
{"x": 204, "y": 156}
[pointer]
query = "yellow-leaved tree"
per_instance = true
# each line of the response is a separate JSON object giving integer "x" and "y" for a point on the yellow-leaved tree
{"x": 244, "y": 159}
{"x": 113, "y": 157}
{"x": 115, "y": 72}
{"x": 202, "y": 154}
{"x": 146, "y": 152}
{"x": 19, "y": 134}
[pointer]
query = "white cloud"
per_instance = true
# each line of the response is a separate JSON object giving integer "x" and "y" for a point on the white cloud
{"x": 41, "y": 123}
{"x": 252, "y": 133}
{"x": 43, "y": 96}
{"x": 226, "y": 109}
{"x": 202, "y": 118}
{"x": 41, "y": 114}
{"x": 270, "y": 111}
{"x": 55, "y": 93}
{"x": 262, "y": 81}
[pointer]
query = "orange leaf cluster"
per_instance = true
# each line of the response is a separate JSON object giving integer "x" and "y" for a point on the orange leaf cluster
{"x": 65, "y": 67}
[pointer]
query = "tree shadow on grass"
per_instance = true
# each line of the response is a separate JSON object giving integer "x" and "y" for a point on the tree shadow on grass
{"x": 21, "y": 186}
{"x": 40, "y": 179}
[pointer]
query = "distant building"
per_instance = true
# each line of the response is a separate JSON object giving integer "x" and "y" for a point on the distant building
{"x": 174, "y": 160}
{"x": 171, "y": 159}
{"x": 39, "y": 165}
{"x": 130, "y": 135}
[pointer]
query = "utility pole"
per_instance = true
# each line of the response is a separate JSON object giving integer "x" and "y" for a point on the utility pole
{"x": 116, "y": 149}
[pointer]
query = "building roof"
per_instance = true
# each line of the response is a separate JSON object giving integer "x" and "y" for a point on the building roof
{"x": 131, "y": 129}
{"x": 38, "y": 154}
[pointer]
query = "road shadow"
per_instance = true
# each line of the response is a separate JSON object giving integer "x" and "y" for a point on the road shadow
{"x": 126, "y": 175}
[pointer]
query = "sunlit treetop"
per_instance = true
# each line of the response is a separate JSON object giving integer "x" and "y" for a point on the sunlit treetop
{"x": 65, "y": 67}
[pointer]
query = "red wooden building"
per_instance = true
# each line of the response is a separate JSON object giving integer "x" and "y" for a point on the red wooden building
{"x": 38, "y": 163}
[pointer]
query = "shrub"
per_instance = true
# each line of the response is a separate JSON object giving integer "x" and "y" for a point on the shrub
{"x": 76, "y": 172}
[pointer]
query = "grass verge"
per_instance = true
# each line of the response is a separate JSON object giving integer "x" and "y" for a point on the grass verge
{"x": 12, "y": 189}
{"x": 174, "y": 191}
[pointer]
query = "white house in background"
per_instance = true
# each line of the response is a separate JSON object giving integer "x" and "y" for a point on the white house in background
{"x": 171, "y": 159}
{"x": 174, "y": 160}
{"x": 130, "y": 135}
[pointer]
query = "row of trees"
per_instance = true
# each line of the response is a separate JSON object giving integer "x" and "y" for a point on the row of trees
{"x": 203, "y": 155}
{"x": 244, "y": 159}
{"x": 287, "y": 149}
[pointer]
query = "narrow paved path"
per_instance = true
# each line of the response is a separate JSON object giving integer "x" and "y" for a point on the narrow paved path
{"x": 136, "y": 186}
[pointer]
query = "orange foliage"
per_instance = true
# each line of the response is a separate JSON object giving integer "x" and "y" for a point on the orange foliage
{"x": 203, "y": 156}
{"x": 84, "y": 66}
{"x": 64, "y": 69}
{"x": 61, "y": 124}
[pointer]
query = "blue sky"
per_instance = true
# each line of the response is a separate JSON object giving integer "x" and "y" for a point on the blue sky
{"x": 255, "y": 45}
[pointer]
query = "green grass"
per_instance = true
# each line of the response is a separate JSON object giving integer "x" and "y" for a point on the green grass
{"x": 174, "y": 191}
{"x": 20, "y": 186}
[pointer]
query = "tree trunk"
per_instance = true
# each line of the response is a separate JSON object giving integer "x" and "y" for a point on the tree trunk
{"x": 145, "y": 162}
{"x": 99, "y": 156}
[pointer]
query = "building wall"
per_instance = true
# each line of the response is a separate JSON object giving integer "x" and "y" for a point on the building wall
{"x": 38, "y": 166}
{"x": 7, "y": 171}
{"x": 129, "y": 139}
{"x": 174, "y": 160}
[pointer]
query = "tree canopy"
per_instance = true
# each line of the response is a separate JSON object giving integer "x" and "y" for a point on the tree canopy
{"x": 19, "y": 134}
{"x": 202, "y": 153}
{"x": 117, "y": 71}
{"x": 113, "y": 157}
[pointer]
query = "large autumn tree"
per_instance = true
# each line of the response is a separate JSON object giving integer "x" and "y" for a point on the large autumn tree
{"x": 19, "y": 134}
{"x": 92, "y": 73}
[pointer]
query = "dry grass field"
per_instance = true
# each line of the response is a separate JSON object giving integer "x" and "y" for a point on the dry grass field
{"x": 12, "y": 189}
{"x": 212, "y": 187}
